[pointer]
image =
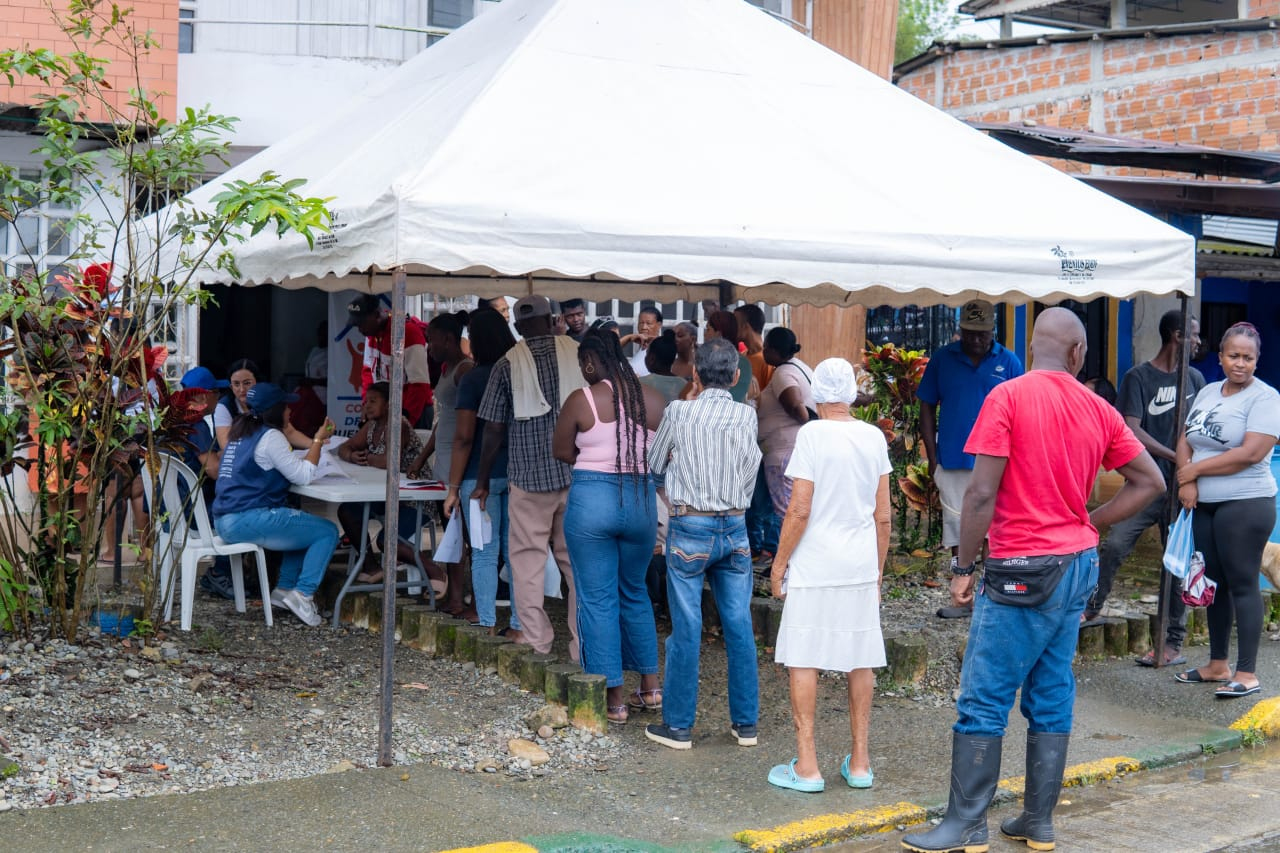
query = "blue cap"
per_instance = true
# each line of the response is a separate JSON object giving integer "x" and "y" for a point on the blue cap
{"x": 266, "y": 395}
{"x": 202, "y": 377}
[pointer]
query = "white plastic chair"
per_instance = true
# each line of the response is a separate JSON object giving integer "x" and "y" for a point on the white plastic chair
{"x": 195, "y": 543}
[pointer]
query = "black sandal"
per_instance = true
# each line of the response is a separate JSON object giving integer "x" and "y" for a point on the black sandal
{"x": 1234, "y": 690}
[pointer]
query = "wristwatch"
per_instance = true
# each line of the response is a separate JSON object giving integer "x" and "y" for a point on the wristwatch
{"x": 962, "y": 571}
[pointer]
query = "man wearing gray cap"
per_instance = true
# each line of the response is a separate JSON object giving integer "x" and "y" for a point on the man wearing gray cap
{"x": 521, "y": 402}
{"x": 959, "y": 377}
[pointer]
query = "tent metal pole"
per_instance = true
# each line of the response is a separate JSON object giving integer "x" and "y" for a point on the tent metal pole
{"x": 392, "y": 516}
{"x": 1180, "y": 417}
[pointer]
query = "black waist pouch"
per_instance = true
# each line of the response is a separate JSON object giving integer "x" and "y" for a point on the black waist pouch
{"x": 1023, "y": 581}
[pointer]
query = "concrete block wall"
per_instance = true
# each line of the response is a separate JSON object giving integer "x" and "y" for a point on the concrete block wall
{"x": 1218, "y": 89}
{"x": 28, "y": 24}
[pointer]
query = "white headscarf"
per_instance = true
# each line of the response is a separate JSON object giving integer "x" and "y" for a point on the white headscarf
{"x": 834, "y": 382}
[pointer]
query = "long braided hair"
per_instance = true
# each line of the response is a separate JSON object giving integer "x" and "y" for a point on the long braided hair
{"x": 630, "y": 418}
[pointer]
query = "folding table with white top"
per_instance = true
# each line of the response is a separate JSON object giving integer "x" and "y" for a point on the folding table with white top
{"x": 350, "y": 483}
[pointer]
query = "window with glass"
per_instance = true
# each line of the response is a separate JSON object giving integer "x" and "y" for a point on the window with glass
{"x": 780, "y": 7}
{"x": 450, "y": 14}
{"x": 36, "y": 233}
{"x": 186, "y": 31}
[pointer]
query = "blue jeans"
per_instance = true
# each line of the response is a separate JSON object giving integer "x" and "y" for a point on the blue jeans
{"x": 1025, "y": 647}
{"x": 307, "y": 542}
{"x": 714, "y": 548}
{"x": 610, "y": 526}
{"x": 484, "y": 561}
{"x": 762, "y": 521}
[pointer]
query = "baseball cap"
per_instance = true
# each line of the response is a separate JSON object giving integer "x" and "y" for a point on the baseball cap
{"x": 977, "y": 315}
{"x": 531, "y": 306}
{"x": 365, "y": 305}
{"x": 267, "y": 395}
{"x": 202, "y": 377}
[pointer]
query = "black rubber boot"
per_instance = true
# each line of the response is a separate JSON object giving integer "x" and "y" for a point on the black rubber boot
{"x": 975, "y": 772}
{"x": 1046, "y": 761}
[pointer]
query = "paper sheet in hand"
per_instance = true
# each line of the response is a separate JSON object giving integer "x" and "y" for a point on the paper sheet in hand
{"x": 450, "y": 548}
{"x": 550, "y": 578}
{"x": 480, "y": 525}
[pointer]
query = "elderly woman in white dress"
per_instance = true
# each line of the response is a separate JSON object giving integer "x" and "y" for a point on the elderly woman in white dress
{"x": 835, "y": 537}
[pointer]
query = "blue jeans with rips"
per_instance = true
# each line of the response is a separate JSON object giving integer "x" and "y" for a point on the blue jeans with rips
{"x": 714, "y": 549}
{"x": 307, "y": 542}
{"x": 1031, "y": 648}
{"x": 484, "y": 561}
{"x": 610, "y": 525}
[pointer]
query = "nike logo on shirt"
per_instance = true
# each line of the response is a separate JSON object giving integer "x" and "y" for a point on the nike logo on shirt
{"x": 1155, "y": 409}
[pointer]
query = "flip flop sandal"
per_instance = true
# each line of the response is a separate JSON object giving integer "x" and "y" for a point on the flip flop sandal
{"x": 1193, "y": 676}
{"x": 1149, "y": 659}
{"x": 1234, "y": 690}
{"x": 955, "y": 612}
{"x": 784, "y": 776}
{"x": 616, "y": 714}
{"x": 636, "y": 701}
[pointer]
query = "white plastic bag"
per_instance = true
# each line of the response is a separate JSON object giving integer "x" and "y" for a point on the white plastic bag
{"x": 450, "y": 548}
{"x": 1180, "y": 546}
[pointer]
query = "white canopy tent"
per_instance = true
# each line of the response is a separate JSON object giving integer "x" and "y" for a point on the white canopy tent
{"x": 672, "y": 143}
{"x": 675, "y": 149}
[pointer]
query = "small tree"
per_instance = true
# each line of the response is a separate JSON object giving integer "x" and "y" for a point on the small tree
{"x": 920, "y": 24}
{"x": 93, "y": 401}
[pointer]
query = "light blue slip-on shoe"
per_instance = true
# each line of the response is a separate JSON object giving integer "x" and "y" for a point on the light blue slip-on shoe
{"x": 784, "y": 776}
{"x": 856, "y": 781}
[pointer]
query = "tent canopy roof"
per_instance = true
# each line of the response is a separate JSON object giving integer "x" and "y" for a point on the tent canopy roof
{"x": 677, "y": 143}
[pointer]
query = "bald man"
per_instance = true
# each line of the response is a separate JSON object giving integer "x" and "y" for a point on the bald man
{"x": 1038, "y": 442}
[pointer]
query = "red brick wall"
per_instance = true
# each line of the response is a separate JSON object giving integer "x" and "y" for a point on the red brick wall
{"x": 1218, "y": 89}
{"x": 28, "y": 23}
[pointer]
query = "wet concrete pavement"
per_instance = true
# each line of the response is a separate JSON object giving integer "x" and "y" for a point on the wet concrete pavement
{"x": 1218, "y": 803}
{"x": 696, "y": 800}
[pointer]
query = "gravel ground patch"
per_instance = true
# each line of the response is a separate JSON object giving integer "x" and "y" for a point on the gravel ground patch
{"x": 233, "y": 703}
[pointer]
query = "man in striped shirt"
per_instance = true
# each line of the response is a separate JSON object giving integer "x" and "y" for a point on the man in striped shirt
{"x": 707, "y": 449}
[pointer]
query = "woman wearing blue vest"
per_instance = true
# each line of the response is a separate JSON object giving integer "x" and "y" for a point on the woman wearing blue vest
{"x": 258, "y": 466}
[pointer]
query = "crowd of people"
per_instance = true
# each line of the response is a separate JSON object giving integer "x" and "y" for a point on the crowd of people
{"x": 590, "y": 461}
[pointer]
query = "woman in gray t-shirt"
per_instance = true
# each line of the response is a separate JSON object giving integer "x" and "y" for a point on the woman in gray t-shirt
{"x": 1224, "y": 474}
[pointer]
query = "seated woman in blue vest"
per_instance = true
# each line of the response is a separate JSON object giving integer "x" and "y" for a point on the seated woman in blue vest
{"x": 257, "y": 469}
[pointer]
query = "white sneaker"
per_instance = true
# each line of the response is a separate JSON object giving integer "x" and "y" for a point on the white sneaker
{"x": 303, "y": 606}
{"x": 277, "y": 598}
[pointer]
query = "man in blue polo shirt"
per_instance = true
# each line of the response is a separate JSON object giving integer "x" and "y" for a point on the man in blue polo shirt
{"x": 959, "y": 377}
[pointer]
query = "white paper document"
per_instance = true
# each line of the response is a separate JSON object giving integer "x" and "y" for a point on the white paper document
{"x": 449, "y": 550}
{"x": 550, "y": 577}
{"x": 327, "y": 469}
{"x": 480, "y": 525}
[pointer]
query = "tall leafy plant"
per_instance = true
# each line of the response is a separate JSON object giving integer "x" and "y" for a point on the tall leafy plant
{"x": 91, "y": 402}
{"x": 895, "y": 375}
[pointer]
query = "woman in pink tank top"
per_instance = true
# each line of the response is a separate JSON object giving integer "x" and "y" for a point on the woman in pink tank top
{"x": 611, "y": 519}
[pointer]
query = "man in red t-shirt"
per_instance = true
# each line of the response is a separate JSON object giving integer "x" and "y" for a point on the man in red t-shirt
{"x": 370, "y": 315}
{"x": 1039, "y": 440}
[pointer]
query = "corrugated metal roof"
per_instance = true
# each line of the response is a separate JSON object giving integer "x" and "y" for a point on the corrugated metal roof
{"x": 1239, "y": 229}
{"x": 1109, "y": 150}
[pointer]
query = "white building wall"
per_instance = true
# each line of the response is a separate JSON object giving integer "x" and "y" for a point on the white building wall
{"x": 272, "y": 95}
